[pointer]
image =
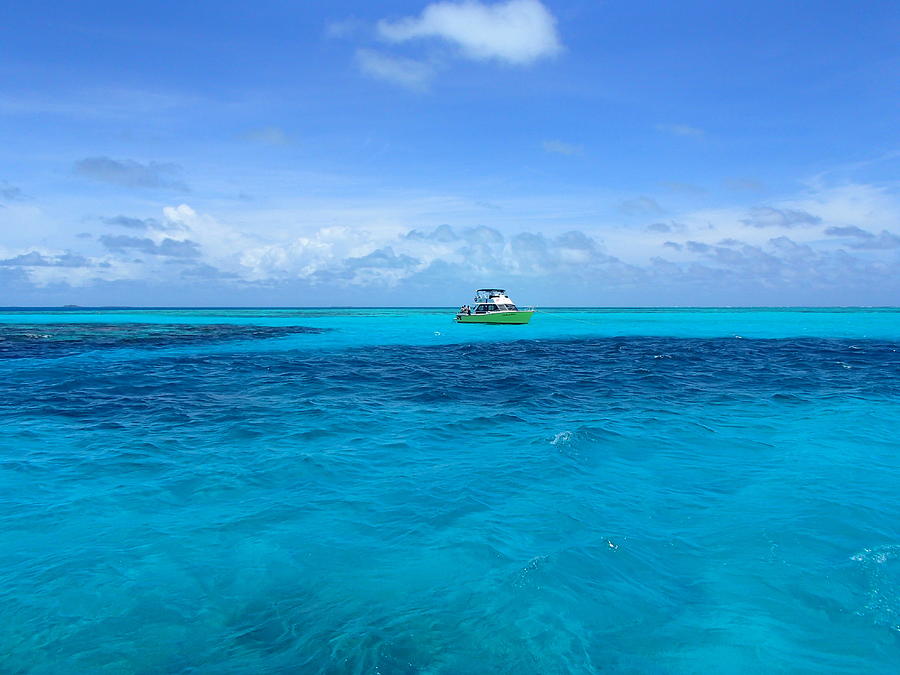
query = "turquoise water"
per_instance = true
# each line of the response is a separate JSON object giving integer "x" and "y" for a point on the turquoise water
{"x": 383, "y": 491}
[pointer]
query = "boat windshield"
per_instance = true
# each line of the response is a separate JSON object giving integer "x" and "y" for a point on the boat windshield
{"x": 491, "y": 307}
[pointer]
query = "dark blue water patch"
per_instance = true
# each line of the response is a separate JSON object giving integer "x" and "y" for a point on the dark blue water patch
{"x": 534, "y": 377}
{"x": 65, "y": 339}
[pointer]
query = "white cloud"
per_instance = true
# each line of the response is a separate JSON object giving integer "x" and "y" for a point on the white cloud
{"x": 518, "y": 32}
{"x": 865, "y": 205}
{"x": 358, "y": 256}
{"x": 222, "y": 245}
{"x": 849, "y": 233}
{"x": 805, "y": 217}
{"x": 562, "y": 148}
{"x": 44, "y": 266}
{"x": 307, "y": 255}
{"x": 407, "y": 73}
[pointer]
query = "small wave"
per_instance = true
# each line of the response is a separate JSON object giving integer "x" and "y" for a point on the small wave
{"x": 878, "y": 555}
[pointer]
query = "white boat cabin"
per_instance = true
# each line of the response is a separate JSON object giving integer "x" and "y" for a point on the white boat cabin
{"x": 492, "y": 300}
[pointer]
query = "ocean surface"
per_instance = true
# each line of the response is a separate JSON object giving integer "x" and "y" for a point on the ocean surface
{"x": 384, "y": 491}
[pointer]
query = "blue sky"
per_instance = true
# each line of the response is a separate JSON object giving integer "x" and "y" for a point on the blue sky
{"x": 404, "y": 153}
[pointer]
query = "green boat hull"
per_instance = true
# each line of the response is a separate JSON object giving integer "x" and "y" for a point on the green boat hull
{"x": 496, "y": 317}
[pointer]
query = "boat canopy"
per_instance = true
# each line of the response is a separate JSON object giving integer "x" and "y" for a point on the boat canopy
{"x": 485, "y": 294}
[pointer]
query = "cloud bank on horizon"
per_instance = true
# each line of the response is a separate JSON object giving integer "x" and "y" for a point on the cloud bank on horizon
{"x": 443, "y": 146}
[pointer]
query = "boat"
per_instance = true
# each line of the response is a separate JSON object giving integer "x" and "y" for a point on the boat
{"x": 492, "y": 305}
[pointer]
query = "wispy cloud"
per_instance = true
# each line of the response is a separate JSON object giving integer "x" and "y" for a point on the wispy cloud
{"x": 36, "y": 259}
{"x": 268, "y": 136}
{"x": 744, "y": 184}
{"x": 641, "y": 206}
{"x": 344, "y": 28}
{"x": 681, "y": 130}
{"x": 767, "y": 216}
{"x": 407, "y": 73}
{"x": 171, "y": 248}
{"x": 848, "y": 231}
{"x": 10, "y": 192}
{"x": 517, "y": 32}
{"x": 129, "y": 173}
{"x": 99, "y": 103}
{"x": 562, "y": 148}
{"x": 683, "y": 188}
{"x": 137, "y": 223}
{"x": 665, "y": 227}
{"x": 863, "y": 239}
